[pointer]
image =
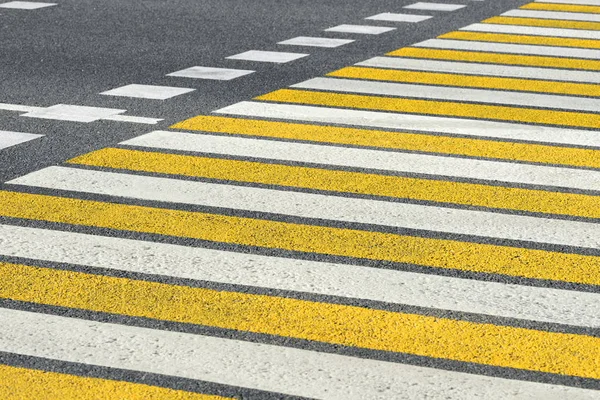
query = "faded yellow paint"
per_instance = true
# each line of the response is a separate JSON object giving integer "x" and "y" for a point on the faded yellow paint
{"x": 522, "y": 39}
{"x": 562, "y": 7}
{"x": 548, "y": 23}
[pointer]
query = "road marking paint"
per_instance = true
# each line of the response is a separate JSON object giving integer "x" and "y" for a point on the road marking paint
{"x": 133, "y": 119}
{"x": 19, "y": 107}
{"x": 371, "y": 159}
{"x": 571, "y": 16}
{"x": 22, "y": 383}
{"x": 26, "y": 5}
{"x": 386, "y": 120}
{"x": 451, "y": 93}
{"x": 537, "y": 40}
{"x": 259, "y": 366}
{"x": 345, "y": 182}
{"x": 550, "y": 23}
{"x": 363, "y": 29}
{"x": 394, "y": 17}
{"x": 316, "y": 42}
{"x": 549, "y": 6}
{"x": 147, "y": 91}
{"x": 532, "y": 30}
{"x": 434, "y": 6}
{"x": 65, "y": 112}
{"x": 509, "y": 48}
{"x": 219, "y": 74}
{"x": 9, "y": 139}
{"x": 577, "y": 2}
{"x": 466, "y": 110}
{"x": 395, "y": 140}
{"x": 278, "y": 57}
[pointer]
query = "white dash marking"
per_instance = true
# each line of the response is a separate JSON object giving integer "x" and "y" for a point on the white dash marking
{"x": 219, "y": 74}
{"x": 147, "y": 91}
{"x": 533, "y": 30}
{"x": 8, "y": 139}
{"x": 582, "y": 2}
{"x": 571, "y": 16}
{"x": 278, "y": 57}
{"x": 25, "y": 5}
{"x": 66, "y": 112}
{"x": 316, "y": 42}
{"x": 435, "y": 6}
{"x": 133, "y": 119}
{"x": 394, "y": 17}
{"x": 363, "y": 29}
{"x": 19, "y": 107}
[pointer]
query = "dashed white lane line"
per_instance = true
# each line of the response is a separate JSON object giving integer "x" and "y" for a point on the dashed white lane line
{"x": 19, "y": 107}
{"x": 371, "y": 159}
{"x": 316, "y": 42}
{"x": 147, "y": 91}
{"x": 318, "y": 206}
{"x": 8, "y": 139}
{"x": 219, "y": 74}
{"x": 387, "y": 120}
{"x": 451, "y": 93}
{"x": 133, "y": 119}
{"x": 533, "y": 31}
{"x": 435, "y": 6}
{"x": 363, "y": 29}
{"x": 551, "y": 51}
{"x": 278, "y": 57}
{"x": 571, "y": 16}
{"x": 394, "y": 17}
{"x": 509, "y": 71}
{"x": 65, "y": 112}
{"x": 26, "y": 5}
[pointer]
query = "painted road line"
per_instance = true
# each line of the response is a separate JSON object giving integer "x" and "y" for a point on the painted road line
{"x": 385, "y": 120}
{"x": 52, "y": 385}
{"x": 434, "y": 6}
{"x": 19, "y": 107}
{"x": 550, "y": 23}
{"x": 362, "y": 29}
{"x": 549, "y": 6}
{"x": 522, "y": 39}
{"x": 532, "y": 30}
{"x": 278, "y": 57}
{"x": 258, "y": 366}
{"x": 577, "y": 2}
{"x": 133, "y": 119}
{"x": 219, "y": 74}
{"x": 509, "y": 48}
{"x": 509, "y": 59}
{"x": 451, "y": 93}
{"x": 316, "y": 42}
{"x": 394, "y": 17}
{"x": 571, "y": 16}
{"x": 147, "y": 91}
{"x": 321, "y": 278}
{"x": 494, "y": 70}
{"x": 528, "y": 152}
{"x": 371, "y": 159}
{"x": 26, "y": 5}
{"x": 483, "y": 82}
{"x": 65, "y": 112}
{"x": 8, "y": 139}
{"x": 430, "y": 107}
{"x": 369, "y": 245}
{"x": 318, "y": 206}
{"x": 345, "y": 181}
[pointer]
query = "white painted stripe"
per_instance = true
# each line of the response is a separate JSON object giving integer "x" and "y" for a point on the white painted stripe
{"x": 8, "y": 139}
{"x": 133, "y": 119}
{"x": 279, "y": 369}
{"x": 19, "y": 107}
{"x": 350, "y": 281}
{"x": 551, "y": 51}
{"x": 482, "y": 69}
{"x": 316, "y": 42}
{"x": 277, "y": 57}
{"x": 571, "y": 16}
{"x": 533, "y": 30}
{"x": 451, "y": 93}
{"x": 219, "y": 74}
{"x": 583, "y": 2}
{"x": 435, "y": 6}
{"x": 147, "y": 91}
{"x": 25, "y": 5}
{"x": 67, "y": 112}
{"x": 399, "y": 17}
{"x": 385, "y": 120}
{"x": 363, "y": 29}
{"x": 319, "y": 206}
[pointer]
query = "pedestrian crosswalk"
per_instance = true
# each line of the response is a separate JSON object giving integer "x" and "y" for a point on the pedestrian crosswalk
{"x": 422, "y": 224}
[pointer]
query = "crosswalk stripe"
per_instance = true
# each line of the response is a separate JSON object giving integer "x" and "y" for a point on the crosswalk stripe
{"x": 350, "y": 281}
{"x": 493, "y": 70}
{"x": 509, "y": 48}
{"x": 36, "y": 384}
{"x": 431, "y": 252}
{"x": 345, "y": 181}
{"x": 523, "y": 39}
{"x": 509, "y": 59}
{"x": 458, "y": 81}
{"x": 499, "y": 113}
{"x": 387, "y": 120}
{"x": 574, "y": 2}
{"x": 543, "y": 14}
{"x": 367, "y": 159}
{"x": 9, "y": 139}
{"x": 271, "y": 368}
{"x": 318, "y": 206}
{"x": 550, "y": 23}
{"x": 549, "y": 6}
{"x": 532, "y": 30}
{"x": 451, "y": 93}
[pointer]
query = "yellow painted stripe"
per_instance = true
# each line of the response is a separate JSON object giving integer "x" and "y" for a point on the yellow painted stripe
{"x": 431, "y": 107}
{"x": 437, "y": 253}
{"x": 522, "y": 39}
{"x": 562, "y": 7}
{"x": 497, "y": 58}
{"x": 27, "y": 384}
{"x": 550, "y": 23}
{"x": 435, "y": 78}
{"x": 343, "y": 181}
{"x": 503, "y": 346}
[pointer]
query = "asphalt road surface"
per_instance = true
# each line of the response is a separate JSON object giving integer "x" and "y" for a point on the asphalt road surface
{"x": 383, "y": 199}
